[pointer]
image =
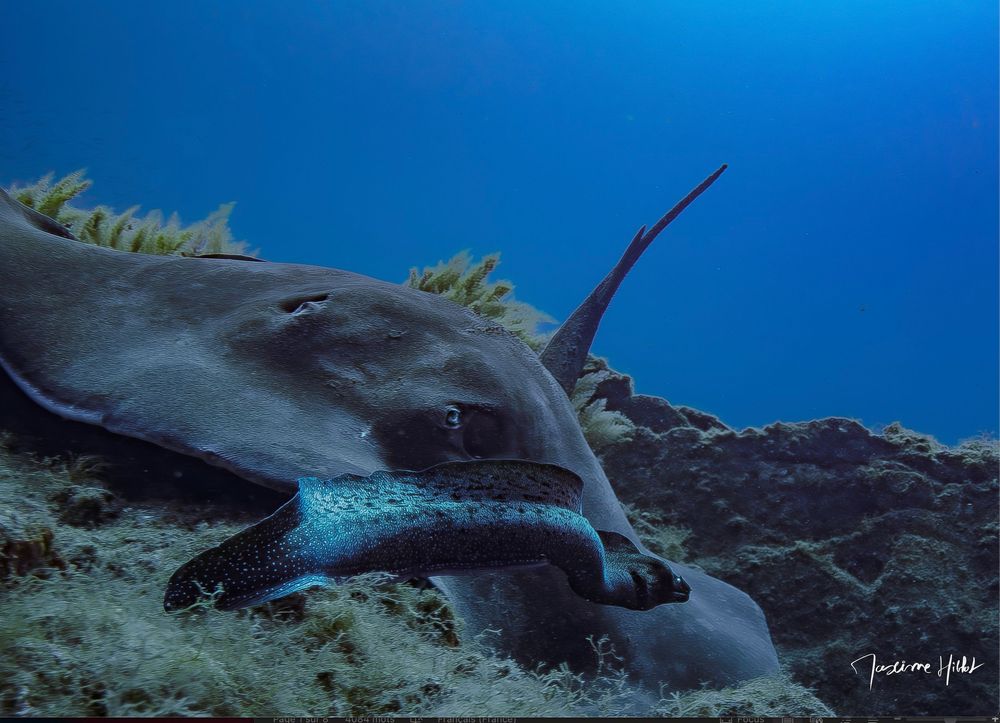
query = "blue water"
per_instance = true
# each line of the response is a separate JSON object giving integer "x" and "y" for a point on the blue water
{"x": 846, "y": 264}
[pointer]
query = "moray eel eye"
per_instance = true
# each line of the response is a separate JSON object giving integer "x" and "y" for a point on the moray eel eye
{"x": 452, "y": 417}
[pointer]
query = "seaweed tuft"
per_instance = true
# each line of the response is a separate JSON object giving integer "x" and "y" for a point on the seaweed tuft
{"x": 772, "y": 695}
{"x": 467, "y": 282}
{"x": 127, "y": 231}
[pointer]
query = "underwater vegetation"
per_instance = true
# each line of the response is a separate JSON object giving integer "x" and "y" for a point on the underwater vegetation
{"x": 816, "y": 516}
{"x": 83, "y": 632}
{"x": 467, "y": 283}
{"x": 127, "y": 231}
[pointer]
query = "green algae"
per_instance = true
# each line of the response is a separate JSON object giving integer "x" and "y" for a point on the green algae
{"x": 127, "y": 231}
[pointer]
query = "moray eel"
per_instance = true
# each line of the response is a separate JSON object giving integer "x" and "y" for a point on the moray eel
{"x": 449, "y": 519}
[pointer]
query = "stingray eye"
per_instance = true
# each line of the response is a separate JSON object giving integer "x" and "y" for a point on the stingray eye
{"x": 452, "y": 417}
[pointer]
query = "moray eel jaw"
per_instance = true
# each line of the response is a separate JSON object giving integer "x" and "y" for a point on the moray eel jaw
{"x": 454, "y": 517}
{"x": 649, "y": 580}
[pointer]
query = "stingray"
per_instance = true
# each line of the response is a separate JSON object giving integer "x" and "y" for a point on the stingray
{"x": 483, "y": 515}
{"x": 278, "y": 372}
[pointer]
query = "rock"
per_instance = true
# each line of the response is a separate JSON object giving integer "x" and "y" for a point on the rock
{"x": 851, "y": 542}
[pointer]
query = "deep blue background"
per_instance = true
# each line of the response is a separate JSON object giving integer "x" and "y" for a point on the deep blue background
{"x": 846, "y": 264}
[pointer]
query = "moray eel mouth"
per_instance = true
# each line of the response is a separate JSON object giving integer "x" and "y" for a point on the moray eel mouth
{"x": 456, "y": 517}
{"x": 681, "y": 592}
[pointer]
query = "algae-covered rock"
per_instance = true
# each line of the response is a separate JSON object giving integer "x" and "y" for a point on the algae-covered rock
{"x": 852, "y": 542}
{"x": 25, "y": 546}
{"x": 86, "y": 506}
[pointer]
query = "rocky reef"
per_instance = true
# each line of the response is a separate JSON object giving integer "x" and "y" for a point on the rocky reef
{"x": 852, "y": 542}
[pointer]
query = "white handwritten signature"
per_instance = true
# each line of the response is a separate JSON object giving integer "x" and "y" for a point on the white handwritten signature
{"x": 960, "y": 665}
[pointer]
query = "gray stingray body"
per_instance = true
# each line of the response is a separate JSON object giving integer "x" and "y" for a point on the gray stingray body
{"x": 280, "y": 371}
{"x": 451, "y": 518}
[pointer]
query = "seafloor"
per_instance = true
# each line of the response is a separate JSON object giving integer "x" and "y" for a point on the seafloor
{"x": 851, "y": 542}
{"x": 88, "y": 542}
